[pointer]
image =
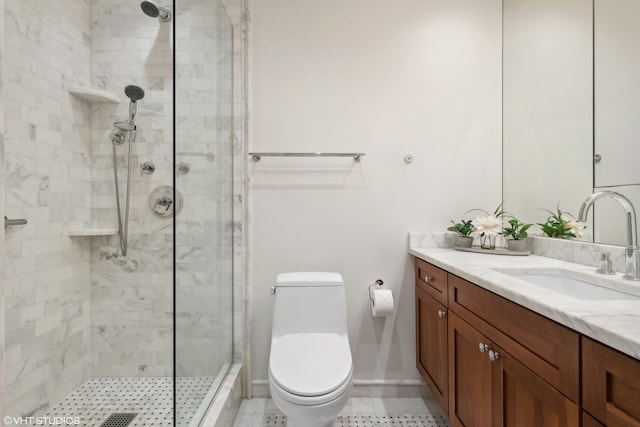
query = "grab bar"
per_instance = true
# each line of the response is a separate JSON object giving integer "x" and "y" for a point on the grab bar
{"x": 11, "y": 222}
{"x": 258, "y": 156}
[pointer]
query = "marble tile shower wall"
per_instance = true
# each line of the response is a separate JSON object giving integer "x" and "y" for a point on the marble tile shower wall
{"x": 132, "y": 296}
{"x": 74, "y": 309}
{"x": 47, "y": 181}
{"x": 129, "y": 47}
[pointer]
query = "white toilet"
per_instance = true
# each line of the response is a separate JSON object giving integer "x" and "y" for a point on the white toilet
{"x": 310, "y": 367}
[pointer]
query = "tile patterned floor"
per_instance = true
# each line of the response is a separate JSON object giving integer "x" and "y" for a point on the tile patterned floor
{"x": 150, "y": 398}
{"x": 359, "y": 412}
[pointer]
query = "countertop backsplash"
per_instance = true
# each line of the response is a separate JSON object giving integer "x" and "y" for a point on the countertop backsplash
{"x": 579, "y": 252}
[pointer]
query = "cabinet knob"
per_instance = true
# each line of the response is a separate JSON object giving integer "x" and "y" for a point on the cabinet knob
{"x": 428, "y": 279}
{"x": 483, "y": 347}
{"x": 493, "y": 355}
{"x": 442, "y": 313}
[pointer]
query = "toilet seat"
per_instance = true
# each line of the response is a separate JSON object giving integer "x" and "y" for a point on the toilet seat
{"x": 311, "y": 367}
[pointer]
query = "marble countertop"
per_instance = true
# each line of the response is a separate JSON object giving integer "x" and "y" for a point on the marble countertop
{"x": 612, "y": 322}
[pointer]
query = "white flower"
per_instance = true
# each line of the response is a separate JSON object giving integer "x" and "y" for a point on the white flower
{"x": 489, "y": 225}
{"x": 566, "y": 217}
{"x": 575, "y": 227}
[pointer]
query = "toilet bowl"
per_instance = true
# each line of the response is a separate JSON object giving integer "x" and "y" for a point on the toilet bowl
{"x": 310, "y": 364}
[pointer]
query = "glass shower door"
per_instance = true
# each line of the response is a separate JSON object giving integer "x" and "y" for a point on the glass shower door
{"x": 203, "y": 176}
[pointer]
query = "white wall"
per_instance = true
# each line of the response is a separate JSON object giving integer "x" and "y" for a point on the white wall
{"x": 388, "y": 78}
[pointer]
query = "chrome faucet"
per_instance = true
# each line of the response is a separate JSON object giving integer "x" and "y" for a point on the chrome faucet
{"x": 632, "y": 252}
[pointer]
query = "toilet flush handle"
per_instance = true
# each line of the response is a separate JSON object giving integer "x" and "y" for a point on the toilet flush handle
{"x": 272, "y": 291}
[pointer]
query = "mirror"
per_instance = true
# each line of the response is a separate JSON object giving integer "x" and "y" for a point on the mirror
{"x": 616, "y": 55}
{"x": 568, "y": 80}
{"x": 547, "y": 106}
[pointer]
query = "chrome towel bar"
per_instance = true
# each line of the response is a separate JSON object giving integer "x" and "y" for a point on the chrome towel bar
{"x": 10, "y": 222}
{"x": 258, "y": 156}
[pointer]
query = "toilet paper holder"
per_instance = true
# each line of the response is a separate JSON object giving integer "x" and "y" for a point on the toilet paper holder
{"x": 378, "y": 284}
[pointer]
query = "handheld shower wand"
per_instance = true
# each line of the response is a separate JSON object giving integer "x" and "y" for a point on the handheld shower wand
{"x": 134, "y": 93}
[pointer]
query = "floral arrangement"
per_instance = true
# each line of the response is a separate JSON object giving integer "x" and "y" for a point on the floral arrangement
{"x": 490, "y": 224}
{"x": 488, "y": 227}
{"x": 562, "y": 225}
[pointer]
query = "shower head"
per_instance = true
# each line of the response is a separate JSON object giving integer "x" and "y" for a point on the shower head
{"x": 154, "y": 11}
{"x": 134, "y": 93}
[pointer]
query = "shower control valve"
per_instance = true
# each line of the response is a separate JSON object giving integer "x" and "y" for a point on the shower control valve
{"x": 163, "y": 203}
{"x": 166, "y": 201}
{"x": 147, "y": 167}
{"x": 117, "y": 138}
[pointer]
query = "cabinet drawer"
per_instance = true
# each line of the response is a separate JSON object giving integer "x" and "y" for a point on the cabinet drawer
{"x": 547, "y": 348}
{"x": 610, "y": 384}
{"x": 432, "y": 280}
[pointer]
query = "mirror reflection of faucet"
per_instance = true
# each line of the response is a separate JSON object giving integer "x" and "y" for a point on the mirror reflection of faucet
{"x": 632, "y": 252}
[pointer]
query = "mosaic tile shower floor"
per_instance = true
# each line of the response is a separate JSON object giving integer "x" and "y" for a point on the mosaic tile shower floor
{"x": 150, "y": 398}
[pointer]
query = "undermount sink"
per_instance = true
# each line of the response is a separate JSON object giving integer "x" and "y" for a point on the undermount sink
{"x": 569, "y": 283}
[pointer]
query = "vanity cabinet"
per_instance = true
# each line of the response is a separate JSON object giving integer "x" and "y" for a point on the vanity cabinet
{"x": 489, "y": 387}
{"x": 544, "y": 346}
{"x": 611, "y": 385}
{"x": 507, "y": 366}
{"x": 431, "y": 329}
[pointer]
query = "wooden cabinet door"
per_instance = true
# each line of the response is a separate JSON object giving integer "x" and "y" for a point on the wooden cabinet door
{"x": 589, "y": 421}
{"x": 523, "y": 399}
{"x": 610, "y": 385}
{"x": 470, "y": 377}
{"x": 431, "y": 345}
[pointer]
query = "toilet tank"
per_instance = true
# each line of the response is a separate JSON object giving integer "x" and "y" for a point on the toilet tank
{"x": 309, "y": 302}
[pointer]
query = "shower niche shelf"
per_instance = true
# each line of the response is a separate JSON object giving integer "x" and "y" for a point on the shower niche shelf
{"x": 91, "y": 232}
{"x": 94, "y": 95}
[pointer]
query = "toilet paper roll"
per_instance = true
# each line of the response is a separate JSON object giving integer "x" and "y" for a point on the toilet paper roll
{"x": 381, "y": 302}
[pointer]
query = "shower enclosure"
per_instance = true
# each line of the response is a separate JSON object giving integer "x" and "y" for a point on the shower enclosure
{"x": 96, "y": 331}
